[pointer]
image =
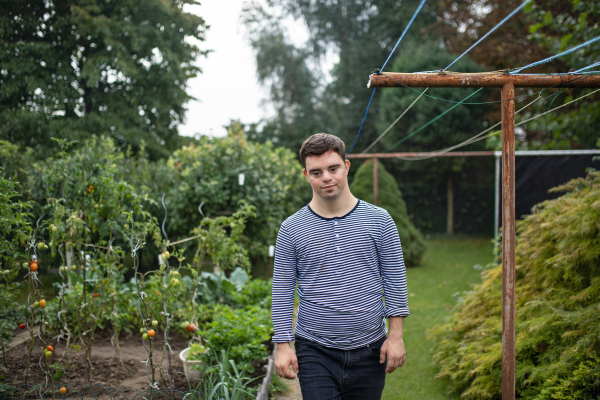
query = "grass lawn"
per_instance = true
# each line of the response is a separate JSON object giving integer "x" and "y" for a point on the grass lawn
{"x": 446, "y": 269}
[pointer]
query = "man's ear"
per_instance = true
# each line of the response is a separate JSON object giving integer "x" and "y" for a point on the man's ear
{"x": 347, "y": 166}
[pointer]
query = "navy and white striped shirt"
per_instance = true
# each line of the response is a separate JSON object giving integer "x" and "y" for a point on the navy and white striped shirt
{"x": 343, "y": 267}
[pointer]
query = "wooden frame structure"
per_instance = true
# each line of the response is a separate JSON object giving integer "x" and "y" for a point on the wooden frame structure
{"x": 507, "y": 83}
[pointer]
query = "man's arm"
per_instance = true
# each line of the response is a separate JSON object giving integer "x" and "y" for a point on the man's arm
{"x": 393, "y": 274}
{"x": 284, "y": 287}
{"x": 393, "y": 347}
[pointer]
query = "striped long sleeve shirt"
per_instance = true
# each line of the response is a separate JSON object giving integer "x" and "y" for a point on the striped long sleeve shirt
{"x": 343, "y": 268}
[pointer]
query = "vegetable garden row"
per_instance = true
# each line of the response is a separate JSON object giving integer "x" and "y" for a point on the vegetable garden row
{"x": 71, "y": 267}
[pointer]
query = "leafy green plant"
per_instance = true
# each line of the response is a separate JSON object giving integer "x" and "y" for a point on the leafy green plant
{"x": 225, "y": 380}
{"x": 256, "y": 292}
{"x": 557, "y": 314}
{"x": 241, "y": 332}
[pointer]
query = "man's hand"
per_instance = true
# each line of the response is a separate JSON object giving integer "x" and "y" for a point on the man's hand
{"x": 393, "y": 349}
{"x": 283, "y": 359}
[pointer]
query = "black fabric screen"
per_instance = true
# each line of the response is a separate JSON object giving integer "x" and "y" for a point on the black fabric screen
{"x": 535, "y": 175}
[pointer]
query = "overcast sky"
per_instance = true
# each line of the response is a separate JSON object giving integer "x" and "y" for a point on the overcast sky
{"x": 227, "y": 88}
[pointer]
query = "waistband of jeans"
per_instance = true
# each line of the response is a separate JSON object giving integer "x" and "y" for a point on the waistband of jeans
{"x": 303, "y": 339}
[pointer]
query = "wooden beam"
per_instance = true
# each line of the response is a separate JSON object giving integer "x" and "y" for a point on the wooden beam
{"x": 417, "y": 154}
{"x": 508, "y": 242}
{"x": 388, "y": 79}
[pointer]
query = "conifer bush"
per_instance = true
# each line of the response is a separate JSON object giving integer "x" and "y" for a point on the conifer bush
{"x": 390, "y": 198}
{"x": 557, "y": 308}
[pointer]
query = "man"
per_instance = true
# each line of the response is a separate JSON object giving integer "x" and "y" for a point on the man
{"x": 345, "y": 257}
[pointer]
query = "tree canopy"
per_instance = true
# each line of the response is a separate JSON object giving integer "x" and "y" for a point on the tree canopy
{"x": 73, "y": 68}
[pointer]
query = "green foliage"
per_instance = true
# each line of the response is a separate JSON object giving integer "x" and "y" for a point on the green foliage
{"x": 256, "y": 292}
{"x": 222, "y": 245}
{"x": 208, "y": 171}
{"x": 390, "y": 198}
{"x": 14, "y": 226}
{"x": 75, "y": 68}
{"x": 241, "y": 332}
{"x": 278, "y": 385}
{"x": 220, "y": 383}
{"x": 558, "y": 323}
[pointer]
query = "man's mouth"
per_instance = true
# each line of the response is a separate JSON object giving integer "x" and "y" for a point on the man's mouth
{"x": 329, "y": 187}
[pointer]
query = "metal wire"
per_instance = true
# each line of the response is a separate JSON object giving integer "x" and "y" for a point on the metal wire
{"x": 478, "y": 137}
{"x": 516, "y": 10}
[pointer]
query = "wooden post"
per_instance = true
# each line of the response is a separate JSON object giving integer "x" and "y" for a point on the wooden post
{"x": 507, "y": 83}
{"x": 508, "y": 241}
{"x": 450, "y": 206}
{"x": 375, "y": 181}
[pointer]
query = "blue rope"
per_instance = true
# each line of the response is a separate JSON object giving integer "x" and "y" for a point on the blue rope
{"x": 388, "y": 59}
{"x": 588, "y": 67}
{"x": 492, "y": 30}
{"x": 404, "y": 33}
{"x": 564, "y": 53}
{"x": 363, "y": 121}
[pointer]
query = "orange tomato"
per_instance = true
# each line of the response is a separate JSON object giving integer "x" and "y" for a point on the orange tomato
{"x": 151, "y": 333}
{"x": 50, "y": 348}
{"x": 95, "y": 294}
{"x": 43, "y": 303}
{"x": 63, "y": 390}
{"x": 33, "y": 266}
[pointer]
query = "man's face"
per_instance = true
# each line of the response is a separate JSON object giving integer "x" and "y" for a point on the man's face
{"x": 327, "y": 174}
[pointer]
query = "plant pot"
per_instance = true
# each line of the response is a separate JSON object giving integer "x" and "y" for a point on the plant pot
{"x": 193, "y": 375}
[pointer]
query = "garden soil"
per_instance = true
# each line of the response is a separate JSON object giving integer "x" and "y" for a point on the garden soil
{"x": 107, "y": 370}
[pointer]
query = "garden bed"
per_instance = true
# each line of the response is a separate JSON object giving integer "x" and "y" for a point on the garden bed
{"x": 107, "y": 371}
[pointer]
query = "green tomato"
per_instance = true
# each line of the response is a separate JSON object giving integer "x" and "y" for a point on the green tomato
{"x": 25, "y": 264}
{"x": 48, "y": 353}
{"x": 142, "y": 330}
{"x": 145, "y": 336}
{"x": 53, "y": 228}
{"x": 154, "y": 323}
{"x": 73, "y": 267}
{"x": 185, "y": 324}
{"x": 36, "y": 304}
{"x": 6, "y": 272}
{"x": 40, "y": 246}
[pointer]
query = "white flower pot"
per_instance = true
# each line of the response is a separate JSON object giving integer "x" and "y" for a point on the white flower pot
{"x": 193, "y": 375}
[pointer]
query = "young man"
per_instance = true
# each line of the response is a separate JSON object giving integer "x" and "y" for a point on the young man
{"x": 345, "y": 256}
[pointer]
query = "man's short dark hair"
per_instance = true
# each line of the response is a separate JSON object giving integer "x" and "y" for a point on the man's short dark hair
{"x": 321, "y": 143}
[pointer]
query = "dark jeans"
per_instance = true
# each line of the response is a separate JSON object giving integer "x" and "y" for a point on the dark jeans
{"x": 333, "y": 374}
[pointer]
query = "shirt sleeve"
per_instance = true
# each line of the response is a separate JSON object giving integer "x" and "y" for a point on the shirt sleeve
{"x": 393, "y": 271}
{"x": 284, "y": 287}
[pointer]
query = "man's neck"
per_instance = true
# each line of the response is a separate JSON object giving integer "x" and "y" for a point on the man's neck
{"x": 335, "y": 207}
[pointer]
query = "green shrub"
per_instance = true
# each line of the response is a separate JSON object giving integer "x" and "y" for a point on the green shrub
{"x": 557, "y": 308}
{"x": 256, "y": 292}
{"x": 241, "y": 332}
{"x": 390, "y": 198}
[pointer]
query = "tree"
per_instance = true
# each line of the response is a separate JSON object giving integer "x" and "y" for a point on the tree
{"x": 74, "y": 68}
{"x": 362, "y": 33}
{"x": 390, "y": 198}
{"x": 542, "y": 29}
